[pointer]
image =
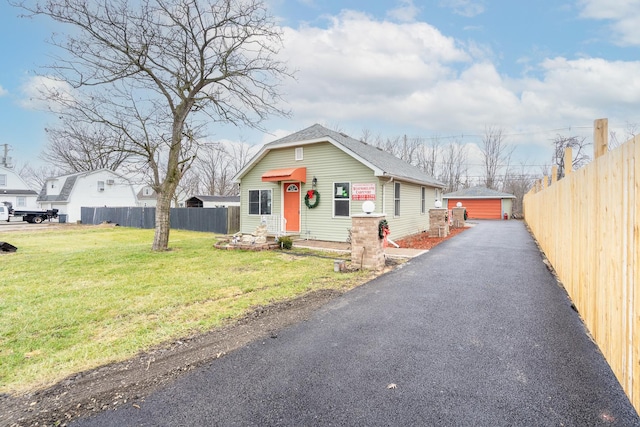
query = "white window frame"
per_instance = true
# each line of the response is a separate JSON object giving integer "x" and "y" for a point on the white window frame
{"x": 423, "y": 200}
{"x": 299, "y": 153}
{"x": 100, "y": 185}
{"x": 3, "y": 180}
{"x": 21, "y": 201}
{"x": 335, "y": 198}
{"x": 396, "y": 198}
{"x": 270, "y": 201}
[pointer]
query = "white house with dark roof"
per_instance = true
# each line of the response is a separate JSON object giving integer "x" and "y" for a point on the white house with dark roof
{"x": 207, "y": 201}
{"x": 100, "y": 188}
{"x": 14, "y": 190}
{"x": 336, "y": 174}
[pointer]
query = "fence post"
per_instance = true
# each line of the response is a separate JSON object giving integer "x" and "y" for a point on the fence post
{"x": 568, "y": 160}
{"x": 600, "y": 140}
{"x": 554, "y": 174}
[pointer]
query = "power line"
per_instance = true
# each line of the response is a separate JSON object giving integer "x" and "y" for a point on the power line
{"x": 464, "y": 135}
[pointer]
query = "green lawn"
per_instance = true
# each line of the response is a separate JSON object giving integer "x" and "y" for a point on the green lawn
{"x": 79, "y": 297}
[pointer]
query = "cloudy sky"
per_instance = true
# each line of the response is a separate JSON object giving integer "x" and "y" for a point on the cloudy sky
{"x": 421, "y": 68}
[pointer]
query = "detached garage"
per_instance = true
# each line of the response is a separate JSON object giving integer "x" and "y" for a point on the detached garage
{"x": 481, "y": 202}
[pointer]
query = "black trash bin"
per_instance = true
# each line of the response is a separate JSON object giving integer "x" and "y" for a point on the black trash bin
{"x": 62, "y": 218}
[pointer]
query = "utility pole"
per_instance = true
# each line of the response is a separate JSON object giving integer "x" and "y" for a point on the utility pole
{"x": 5, "y": 160}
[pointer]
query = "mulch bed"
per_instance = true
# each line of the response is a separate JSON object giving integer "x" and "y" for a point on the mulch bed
{"x": 423, "y": 241}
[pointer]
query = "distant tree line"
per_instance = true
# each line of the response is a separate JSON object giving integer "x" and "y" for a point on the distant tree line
{"x": 78, "y": 148}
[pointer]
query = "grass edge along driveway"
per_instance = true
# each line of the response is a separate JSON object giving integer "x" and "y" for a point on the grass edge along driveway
{"x": 78, "y": 297}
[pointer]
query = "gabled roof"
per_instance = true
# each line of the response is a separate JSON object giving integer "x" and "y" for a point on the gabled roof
{"x": 151, "y": 196}
{"x": 478, "y": 193}
{"x": 69, "y": 183}
{"x": 383, "y": 164}
{"x": 22, "y": 189}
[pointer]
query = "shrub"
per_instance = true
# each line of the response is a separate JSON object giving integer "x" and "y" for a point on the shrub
{"x": 285, "y": 242}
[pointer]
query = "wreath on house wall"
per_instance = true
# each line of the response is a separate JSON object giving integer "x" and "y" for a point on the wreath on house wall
{"x": 383, "y": 229}
{"x": 312, "y": 194}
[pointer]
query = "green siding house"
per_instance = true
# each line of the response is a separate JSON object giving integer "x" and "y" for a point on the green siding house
{"x": 308, "y": 184}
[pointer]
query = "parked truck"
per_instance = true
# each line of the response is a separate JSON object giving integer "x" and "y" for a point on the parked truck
{"x": 32, "y": 216}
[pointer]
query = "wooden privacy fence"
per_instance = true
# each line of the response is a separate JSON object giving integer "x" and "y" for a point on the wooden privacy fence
{"x": 588, "y": 225}
{"x": 214, "y": 220}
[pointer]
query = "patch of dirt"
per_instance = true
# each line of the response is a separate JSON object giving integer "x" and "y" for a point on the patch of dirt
{"x": 129, "y": 382}
{"x": 423, "y": 241}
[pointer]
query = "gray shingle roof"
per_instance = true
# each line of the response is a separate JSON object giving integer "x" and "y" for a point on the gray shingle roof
{"x": 141, "y": 196}
{"x": 478, "y": 193}
{"x": 386, "y": 162}
{"x": 69, "y": 182}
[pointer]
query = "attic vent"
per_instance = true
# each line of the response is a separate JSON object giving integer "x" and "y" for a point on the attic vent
{"x": 344, "y": 134}
{"x": 110, "y": 182}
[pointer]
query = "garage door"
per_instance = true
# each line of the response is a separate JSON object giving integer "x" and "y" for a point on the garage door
{"x": 480, "y": 208}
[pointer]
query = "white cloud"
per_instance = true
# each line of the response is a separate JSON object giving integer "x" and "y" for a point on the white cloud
{"x": 365, "y": 61}
{"x": 467, "y": 8}
{"x": 585, "y": 88}
{"x": 623, "y": 14}
{"x": 392, "y": 78}
{"x": 36, "y": 89}
{"x": 406, "y": 12}
{"x": 3, "y": 91}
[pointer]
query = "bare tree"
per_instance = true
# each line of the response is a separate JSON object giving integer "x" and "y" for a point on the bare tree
{"x": 518, "y": 184}
{"x": 631, "y": 131}
{"x": 241, "y": 153}
{"x": 496, "y": 154}
{"x": 578, "y": 148}
{"x": 154, "y": 70}
{"x": 403, "y": 147}
{"x": 454, "y": 166}
{"x": 189, "y": 186}
{"x": 36, "y": 177}
{"x": 428, "y": 155}
{"x": 210, "y": 166}
{"x": 217, "y": 165}
{"x": 75, "y": 146}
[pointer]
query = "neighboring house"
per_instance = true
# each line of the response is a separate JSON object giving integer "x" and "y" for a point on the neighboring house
{"x": 14, "y": 190}
{"x": 482, "y": 202}
{"x": 103, "y": 187}
{"x": 212, "y": 201}
{"x": 146, "y": 196}
{"x": 345, "y": 172}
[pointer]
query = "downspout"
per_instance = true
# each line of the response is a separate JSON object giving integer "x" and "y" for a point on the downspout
{"x": 384, "y": 195}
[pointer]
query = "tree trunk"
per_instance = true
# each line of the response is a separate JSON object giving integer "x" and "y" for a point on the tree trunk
{"x": 163, "y": 222}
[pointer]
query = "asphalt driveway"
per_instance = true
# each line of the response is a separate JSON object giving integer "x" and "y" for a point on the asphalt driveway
{"x": 474, "y": 333}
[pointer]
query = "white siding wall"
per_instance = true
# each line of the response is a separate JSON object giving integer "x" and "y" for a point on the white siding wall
{"x": 507, "y": 206}
{"x": 13, "y": 182}
{"x": 85, "y": 193}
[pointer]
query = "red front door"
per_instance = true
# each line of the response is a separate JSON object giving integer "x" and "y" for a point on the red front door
{"x": 292, "y": 206}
